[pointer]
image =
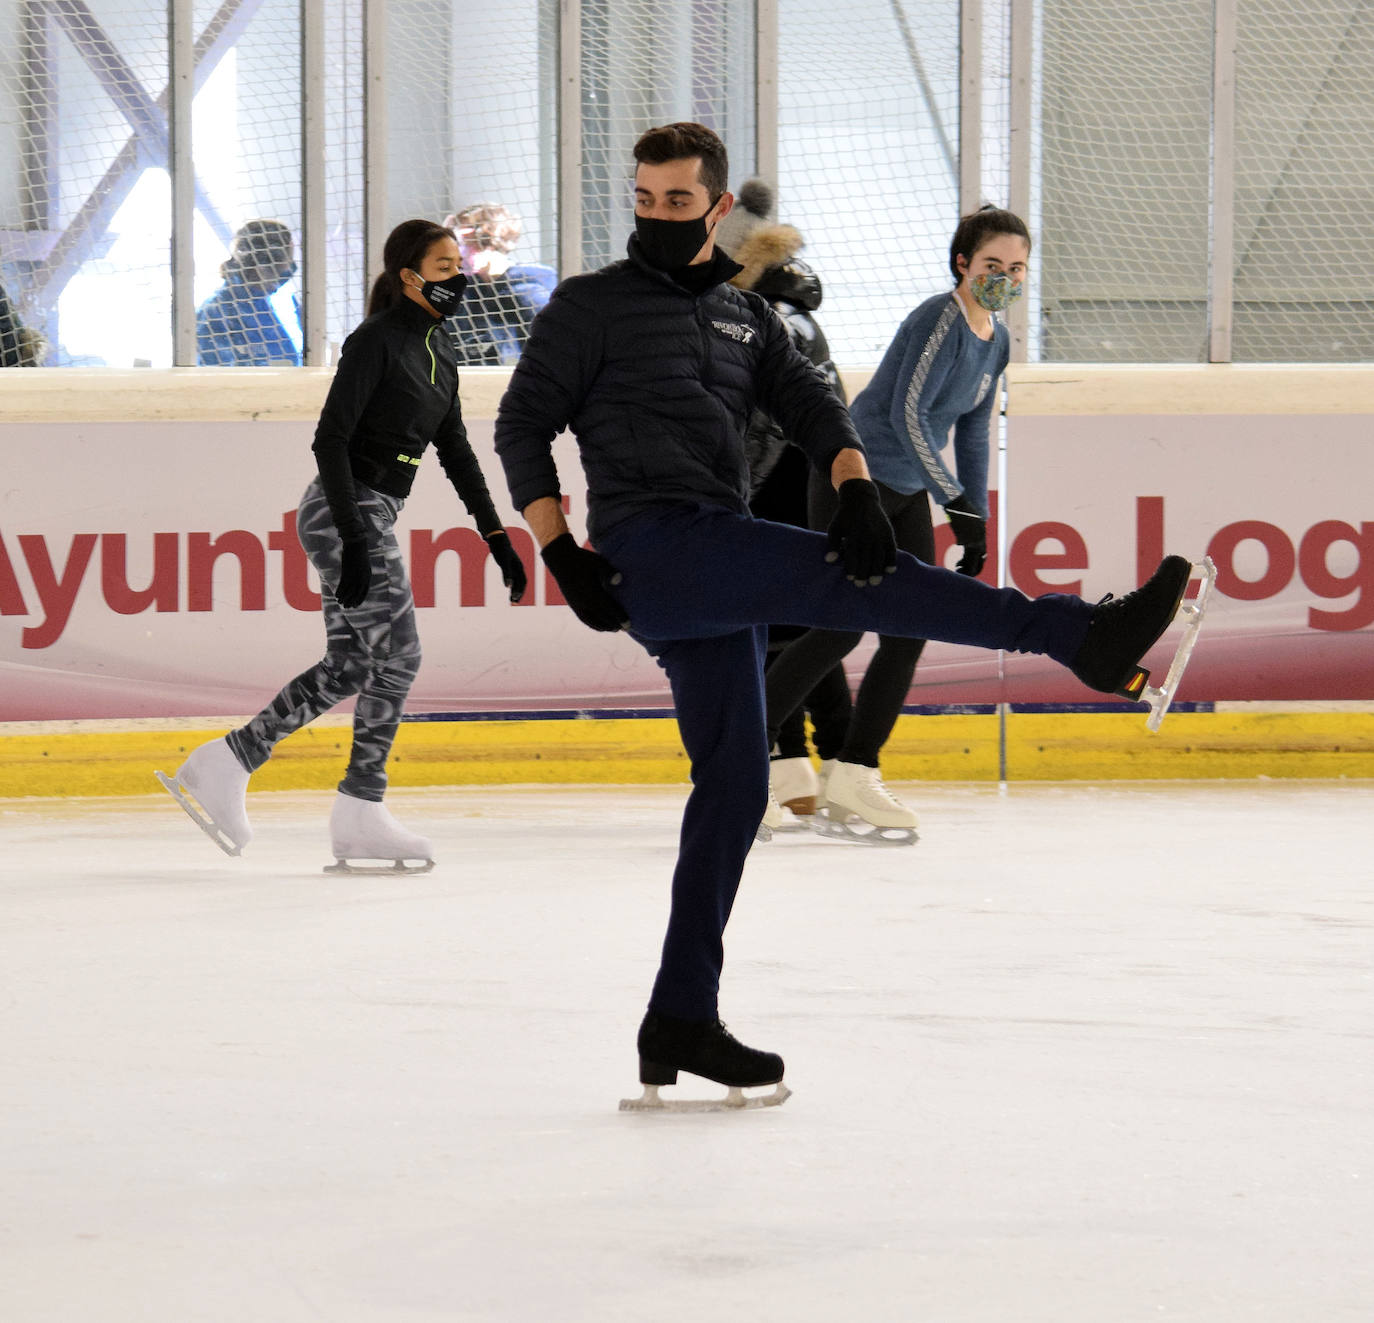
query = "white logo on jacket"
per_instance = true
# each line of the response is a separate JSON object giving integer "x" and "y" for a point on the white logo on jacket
{"x": 738, "y": 332}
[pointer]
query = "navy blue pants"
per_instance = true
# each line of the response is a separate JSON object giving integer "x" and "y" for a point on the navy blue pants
{"x": 700, "y": 585}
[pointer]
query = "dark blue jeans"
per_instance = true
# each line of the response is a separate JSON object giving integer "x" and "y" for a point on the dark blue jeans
{"x": 700, "y": 585}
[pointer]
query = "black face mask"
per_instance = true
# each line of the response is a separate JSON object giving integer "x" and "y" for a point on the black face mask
{"x": 671, "y": 244}
{"x": 443, "y": 295}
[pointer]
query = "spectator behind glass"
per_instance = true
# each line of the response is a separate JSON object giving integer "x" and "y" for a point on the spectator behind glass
{"x": 492, "y": 322}
{"x": 237, "y": 326}
{"x": 20, "y": 345}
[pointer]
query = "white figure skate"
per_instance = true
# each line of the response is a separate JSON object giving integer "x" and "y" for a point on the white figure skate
{"x": 794, "y": 785}
{"x": 1192, "y": 612}
{"x": 792, "y": 813}
{"x": 859, "y": 807}
{"x": 367, "y": 839}
{"x": 772, "y": 819}
{"x": 212, "y": 787}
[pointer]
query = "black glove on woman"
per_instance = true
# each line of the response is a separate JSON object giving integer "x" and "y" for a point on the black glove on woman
{"x": 860, "y": 535}
{"x": 355, "y": 575}
{"x": 508, "y": 559}
{"x": 971, "y": 533}
{"x": 584, "y": 577}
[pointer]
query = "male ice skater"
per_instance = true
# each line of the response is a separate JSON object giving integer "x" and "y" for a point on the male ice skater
{"x": 655, "y": 362}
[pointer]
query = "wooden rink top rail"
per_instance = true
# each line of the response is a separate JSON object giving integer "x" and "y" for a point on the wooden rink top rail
{"x": 272, "y": 394}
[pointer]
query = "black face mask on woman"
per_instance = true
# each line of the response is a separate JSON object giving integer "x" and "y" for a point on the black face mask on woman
{"x": 443, "y": 295}
{"x": 671, "y": 244}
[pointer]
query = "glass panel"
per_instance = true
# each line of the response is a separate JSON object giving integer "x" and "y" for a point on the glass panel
{"x": 246, "y": 139}
{"x": 650, "y": 62}
{"x": 471, "y": 134}
{"x": 1124, "y": 150}
{"x": 1304, "y": 197}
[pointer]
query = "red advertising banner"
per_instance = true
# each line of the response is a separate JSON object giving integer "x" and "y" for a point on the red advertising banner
{"x": 152, "y": 568}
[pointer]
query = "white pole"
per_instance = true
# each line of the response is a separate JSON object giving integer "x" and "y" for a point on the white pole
{"x": 569, "y": 137}
{"x": 375, "y": 226}
{"x": 766, "y": 91}
{"x": 314, "y": 228}
{"x": 182, "y": 42}
{"x": 1223, "y": 260}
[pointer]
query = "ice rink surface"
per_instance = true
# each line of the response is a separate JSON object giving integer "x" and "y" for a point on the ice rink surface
{"x": 1097, "y": 1053}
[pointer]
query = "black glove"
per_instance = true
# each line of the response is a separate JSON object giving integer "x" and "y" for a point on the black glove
{"x": 512, "y": 567}
{"x": 971, "y": 533}
{"x": 584, "y": 578}
{"x": 355, "y": 575}
{"x": 860, "y": 534}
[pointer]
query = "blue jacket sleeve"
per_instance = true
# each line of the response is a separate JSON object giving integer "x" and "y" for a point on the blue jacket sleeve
{"x": 547, "y": 388}
{"x": 971, "y": 450}
{"x": 927, "y": 358}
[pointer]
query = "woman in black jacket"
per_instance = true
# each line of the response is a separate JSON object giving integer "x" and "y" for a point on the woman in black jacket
{"x": 395, "y": 391}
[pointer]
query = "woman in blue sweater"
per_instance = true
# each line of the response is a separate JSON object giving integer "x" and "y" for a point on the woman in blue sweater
{"x": 936, "y": 381}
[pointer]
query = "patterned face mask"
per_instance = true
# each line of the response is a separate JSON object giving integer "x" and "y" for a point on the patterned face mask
{"x": 995, "y": 291}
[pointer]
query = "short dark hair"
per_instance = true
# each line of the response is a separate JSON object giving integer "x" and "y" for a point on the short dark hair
{"x": 977, "y": 228}
{"x": 681, "y": 142}
{"x": 405, "y": 247}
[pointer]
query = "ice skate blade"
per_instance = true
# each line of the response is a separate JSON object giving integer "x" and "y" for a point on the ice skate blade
{"x": 735, "y": 1100}
{"x": 1160, "y": 697}
{"x": 839, "y": 829}
{"x": 789, "y": 826}
{"x": 202, "y": 820}
{"x": 377, "y": 868}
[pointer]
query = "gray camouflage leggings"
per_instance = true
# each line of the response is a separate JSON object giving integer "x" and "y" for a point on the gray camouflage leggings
{"x": 372, "y": 650}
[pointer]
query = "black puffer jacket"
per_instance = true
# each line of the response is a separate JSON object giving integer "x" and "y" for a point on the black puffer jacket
{"x": 657, "y": 385}
{"x": 396, "y": 390}
{"x": 770, "y": 266}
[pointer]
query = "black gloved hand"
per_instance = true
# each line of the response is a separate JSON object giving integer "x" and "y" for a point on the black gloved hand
{"x": 584, "y": 578}
{"x": 971, "y": 533}
{"x": 355, "y": 575}
{"x": 512, "y": 567}
{"x": 860, "y": 535}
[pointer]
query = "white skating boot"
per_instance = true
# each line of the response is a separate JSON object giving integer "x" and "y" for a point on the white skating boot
{"x": 852, "y": 790}
{"x": 794, "y": 784}
{"x": 212, "y": 787}
{"x": 367, "y": 839}
{"x": 823, "y": 779}
{"x": 773, "y": 818}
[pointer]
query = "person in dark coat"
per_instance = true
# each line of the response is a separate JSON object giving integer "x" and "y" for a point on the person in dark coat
{"x": 770, "y": 257}
{"x": 656, "y": 363}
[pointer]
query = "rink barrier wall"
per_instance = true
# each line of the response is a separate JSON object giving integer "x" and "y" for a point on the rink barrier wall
{"x": 116, "y": 757}
{"x": 1035, "y": 389}
{"x": 74, "y": 760}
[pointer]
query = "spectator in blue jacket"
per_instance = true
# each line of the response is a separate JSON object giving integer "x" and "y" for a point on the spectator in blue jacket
{"x": 937, "y": 380}
{"x": 655, "y": 363}
{"x": 490, "y": 326}
{"x": 237, "y": 326}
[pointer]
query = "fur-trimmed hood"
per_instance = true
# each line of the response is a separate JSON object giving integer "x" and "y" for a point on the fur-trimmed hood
{"x": 773, "y": 268}
{"x": 769, "y": 245}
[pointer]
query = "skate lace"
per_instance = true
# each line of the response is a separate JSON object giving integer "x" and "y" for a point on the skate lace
{"x": 873, "y": 784}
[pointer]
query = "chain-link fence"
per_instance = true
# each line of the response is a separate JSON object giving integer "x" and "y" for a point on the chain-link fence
{"x": 1304, "y": 214}
{"x": 1124, "y": 125}
{"x": 649, "y": 62}
{"x": 440, "y": 109}
{"x": 868, "y": 147}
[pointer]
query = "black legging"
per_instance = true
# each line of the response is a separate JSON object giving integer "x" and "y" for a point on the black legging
{"x": 887, "y": 681}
